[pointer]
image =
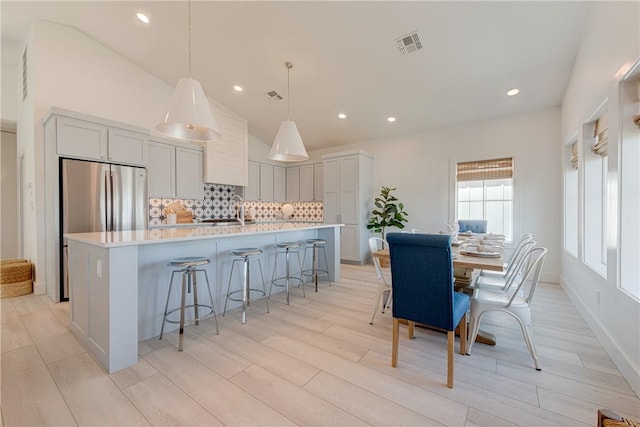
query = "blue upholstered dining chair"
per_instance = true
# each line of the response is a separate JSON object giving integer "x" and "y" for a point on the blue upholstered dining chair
{"x": 422, "y": 281}
{"x": 473, "y": 225}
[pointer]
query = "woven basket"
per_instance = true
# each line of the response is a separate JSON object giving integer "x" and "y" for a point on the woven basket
{"x": 15, "y": 278}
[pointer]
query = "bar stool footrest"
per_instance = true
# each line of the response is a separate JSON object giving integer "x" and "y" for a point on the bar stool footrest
{"x": 262, "y": 294}
{"x": 297, "y": 281}
{"x": 211, "y": 313}
{"x": 318, "y": 272}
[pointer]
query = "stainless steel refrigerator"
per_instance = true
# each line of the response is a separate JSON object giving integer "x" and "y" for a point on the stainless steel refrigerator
{"x": 99, "y": 197}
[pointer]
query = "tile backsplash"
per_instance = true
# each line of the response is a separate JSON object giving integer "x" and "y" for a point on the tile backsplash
{"x": 217, "y": 203}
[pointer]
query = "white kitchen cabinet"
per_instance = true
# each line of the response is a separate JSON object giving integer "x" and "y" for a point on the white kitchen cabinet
{"x": 318, "y": 181}
{"x": 266, "y": 182}
{"x": 86, "y": 139}
{"x": 98, "y": 279}
{"x": 126, "y": 147}
{"x": 279, "y": 184}
{"x": 189, "y": 173}
{"x": 306, "y": 183}
{"x": 293, "y": 184}
{"x": 348, "y": 186}
{"x": 252, "y": 190}
{"x": 175, "y": 170}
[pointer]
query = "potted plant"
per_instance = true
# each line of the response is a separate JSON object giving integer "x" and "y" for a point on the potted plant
{"x": 388, "y": 212}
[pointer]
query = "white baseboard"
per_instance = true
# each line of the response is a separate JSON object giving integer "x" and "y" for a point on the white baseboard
{"x": 39, "y": 288}
{"x": 627, "y": 369}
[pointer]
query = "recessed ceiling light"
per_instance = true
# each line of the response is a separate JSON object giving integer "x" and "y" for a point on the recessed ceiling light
{"x": 237, "y": 88}
{"x": 142, "y": 17}
{"x": 513, "y": 92}
{"x": 391, "y": 119}
{"x": 342, "y": 116}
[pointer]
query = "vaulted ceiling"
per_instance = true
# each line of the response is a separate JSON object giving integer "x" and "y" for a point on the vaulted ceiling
{"x": 345, "y": 57}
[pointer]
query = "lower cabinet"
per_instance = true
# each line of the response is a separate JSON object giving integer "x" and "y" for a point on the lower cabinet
{"x": 175, "y": 171}
{"x": 97, "y": 283}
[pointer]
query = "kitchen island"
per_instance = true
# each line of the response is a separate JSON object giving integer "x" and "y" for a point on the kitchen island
{"x": 118, "y": 281}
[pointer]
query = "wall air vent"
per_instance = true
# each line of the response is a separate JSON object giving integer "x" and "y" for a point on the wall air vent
{"x": 24, "y": 75}
{"x": 274, "y": 96}
{"x": 409, "y": 43}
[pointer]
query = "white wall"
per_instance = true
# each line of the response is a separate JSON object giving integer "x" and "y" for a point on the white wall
{"x": 9, "y": 197}
{"x": 9, "y": 83}
{"x": 72, "y": 71}
{"x": 422, "y": 168}
{"x": 611, "y": 44}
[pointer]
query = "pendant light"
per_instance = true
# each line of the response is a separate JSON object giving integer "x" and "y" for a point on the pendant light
{"x": 288, "y": 146}
{"x": 189, "y": 115}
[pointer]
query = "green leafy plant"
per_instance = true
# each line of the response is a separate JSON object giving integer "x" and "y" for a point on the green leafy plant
{"x": 388, "y": 212}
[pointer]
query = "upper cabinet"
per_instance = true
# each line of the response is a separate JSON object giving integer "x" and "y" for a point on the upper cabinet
{"x": 252, "y": 191}
{"x": 266, "y": 182}
{"x": 279, "y": 184}
{"x": 86, "y": 139}
{"x": 318, "y": 179}
{"x": 175, "y": 170}
{"x": 306, "y": 183}
{"x": 293, "y": 184}
{"x": 226, "y": 158}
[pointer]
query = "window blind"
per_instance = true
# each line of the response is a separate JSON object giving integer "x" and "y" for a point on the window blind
{"x": 601, "y": 141}
{"x": 574, "y": 155}
{"x": 485, "y": 169}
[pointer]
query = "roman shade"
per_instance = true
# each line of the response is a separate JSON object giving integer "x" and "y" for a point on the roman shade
{"x": 600, "y": 139}
{"x": 574, "y": 155}
{"x": 485, "y": 169}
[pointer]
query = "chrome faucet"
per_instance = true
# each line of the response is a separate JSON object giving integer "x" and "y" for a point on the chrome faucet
{"x": 240, "y": 214}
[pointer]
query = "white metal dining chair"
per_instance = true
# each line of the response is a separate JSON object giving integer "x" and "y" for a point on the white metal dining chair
{"x": 517, "y": 250}
{"x": 502, "y": 281}
{"x": 512, "y": 303}
{"x": 376, "y": 244}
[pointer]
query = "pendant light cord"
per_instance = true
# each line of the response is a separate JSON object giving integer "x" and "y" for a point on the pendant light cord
{"x": 189, "y": 32}
{"x": 289, "y": 66}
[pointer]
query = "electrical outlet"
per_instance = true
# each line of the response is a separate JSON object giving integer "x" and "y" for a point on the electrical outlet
{"x": 99, "y": 268}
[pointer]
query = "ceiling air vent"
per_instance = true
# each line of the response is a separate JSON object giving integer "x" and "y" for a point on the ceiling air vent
{"x": 274, "y": 96}
{"x": 409, "y": 43}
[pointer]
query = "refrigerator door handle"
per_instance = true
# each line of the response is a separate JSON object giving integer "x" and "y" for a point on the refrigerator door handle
{"x": 107, "y": 202}
{"x": 111, "y": 213}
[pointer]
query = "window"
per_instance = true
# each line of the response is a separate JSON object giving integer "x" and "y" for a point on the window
{"x": 571, "y": 221}
{"x": 484, "y": 190}
{"x": 595, "y": 196}
{"x": 629, "y": 157}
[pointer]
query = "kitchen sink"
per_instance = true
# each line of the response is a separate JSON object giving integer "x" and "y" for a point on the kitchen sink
{"x": 221, "y": 222}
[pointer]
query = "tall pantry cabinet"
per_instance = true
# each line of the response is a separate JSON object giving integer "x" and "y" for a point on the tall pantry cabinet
{"x": 348, "y": 188}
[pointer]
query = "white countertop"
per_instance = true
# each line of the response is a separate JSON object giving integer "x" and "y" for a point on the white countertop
{"x": 177, "y": 234}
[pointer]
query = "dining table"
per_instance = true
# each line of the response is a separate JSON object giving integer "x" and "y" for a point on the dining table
{"x": 464, "y": 268}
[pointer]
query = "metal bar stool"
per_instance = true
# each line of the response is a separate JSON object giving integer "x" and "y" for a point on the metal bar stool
{"x": 187, "y": 267}
{"x": 286, "y": 249}
{"x": 315, "y": 272}
{"x": 245, "y": 255}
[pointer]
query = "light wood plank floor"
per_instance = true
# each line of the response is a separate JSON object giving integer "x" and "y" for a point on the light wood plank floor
{"x": 316, "y": 362}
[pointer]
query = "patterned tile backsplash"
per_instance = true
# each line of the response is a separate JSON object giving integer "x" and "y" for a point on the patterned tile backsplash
{"x": 217, "y": 203}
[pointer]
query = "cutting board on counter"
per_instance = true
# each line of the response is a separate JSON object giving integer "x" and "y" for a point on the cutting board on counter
{"x": 184, "y": 215}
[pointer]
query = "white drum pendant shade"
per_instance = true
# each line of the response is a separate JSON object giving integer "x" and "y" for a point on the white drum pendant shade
{"x": 288, "y": 146}
{"x": 189, "y": 115}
